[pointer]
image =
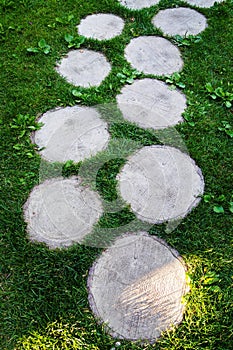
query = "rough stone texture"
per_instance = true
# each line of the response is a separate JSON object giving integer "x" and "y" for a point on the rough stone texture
{"x": 84, "y": 68}
{"x": 151, "y": 104}
{"x": 153, "y": 55}
{"x": 202, "y": 3}
{"x": 136, "y": 287}
{"x": 61, "y": 212}
{"x": 71, "y": 133}
{"x": 138, "y": 4}
{"x": 101, "y": 26}
{"x": 181, "y": 21}
{"x": 161, "y": 184}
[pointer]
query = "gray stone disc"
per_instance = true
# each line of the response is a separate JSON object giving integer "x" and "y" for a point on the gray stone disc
{"x": 60, "y": 212}
{"x": 161, "y": 184}
{"x": 202, "y": 3}
{"x": 180, "y": 21}
{"x": 153, "y": 55}
{"x": 101, "y": 26}
{"x": 71, "y": 133}
{"x": 136, "y": 287}
{"x": 138, "y": 4}
{"x": 84, "y": 68}
{"x": 151, "y": 104}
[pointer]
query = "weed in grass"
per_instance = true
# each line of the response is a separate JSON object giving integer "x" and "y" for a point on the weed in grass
{"x": 86, "y": 96}
{"x": 187, "y": 40}
{"x": 24, "y": 148}
{"x": 175, "y": 81}
{"x": 226, "y": 128}
{"x": 127, "y": 76}
{"x": 62, "y": 21}
{"x": 74, "y": 41}
{"x": 24, "y": 125}
{"x": 70, "y": 168}
{"x": 218, "y": 209}
{"x": 220, "y": 94}
{"x": 188, "y": 118}
{"x": 218, "y": 203}
{"x": 42, "y": 46}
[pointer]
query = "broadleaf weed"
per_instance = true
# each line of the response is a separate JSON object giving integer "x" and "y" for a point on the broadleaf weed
{"x": 74, "y": 41}
{"x": 220, "y": 94}
{"x": 24, "y": 124}
{"x": 42, "y": 46}
{"x": 127, "y": 76}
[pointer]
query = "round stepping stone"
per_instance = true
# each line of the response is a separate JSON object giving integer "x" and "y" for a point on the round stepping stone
{"x": 202, "y": 3}
{"x": 61, "y": 212}
{"x": 161, "y": 184}
{"x": 136, "y": 287}
{"x": 151, "y": 104}
{"x": 153, "y": 55}
{"x": 182, "y": 21}
{"x": 138, "y": 4}
{"x": 101, "y": 26}
{"x": 71, "y": 133}
{"x": 84, "y": 68}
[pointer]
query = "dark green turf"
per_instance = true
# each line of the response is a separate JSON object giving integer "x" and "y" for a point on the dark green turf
{"x": 43, "y": 295}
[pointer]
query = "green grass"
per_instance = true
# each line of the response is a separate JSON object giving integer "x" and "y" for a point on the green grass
{"x": 43, "y": 295}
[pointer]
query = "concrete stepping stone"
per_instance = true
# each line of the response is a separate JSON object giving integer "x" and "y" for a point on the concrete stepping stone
{"x": 138, "y": 4}
{"x": 151, "y": 104}
{"x": 180, "y": 21}
{"x": 60, "y": 212}
{"x": 153, "y": 55}
{"x": 84, "y": 68}
{"x": 161, "y": 184}
{"x": 203, "y": 3}
{"x": 136, "y": 287}
{"x": 71, "y": 133}
{"x": 101, "y": 26}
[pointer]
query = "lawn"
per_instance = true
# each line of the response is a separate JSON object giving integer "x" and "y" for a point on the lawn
{"x": 43, "y": 294}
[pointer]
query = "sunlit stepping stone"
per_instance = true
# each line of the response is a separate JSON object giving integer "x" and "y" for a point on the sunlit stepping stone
{"x": 136, "y": 287}
{"x": 138, "y": 4}
{"x": 60, "y": 212}
{"x": 161, "y": 184}
{"x": 101, "y": 26}
{"x": 151, "y": 104}
{"x": 180, "y": 21}
{"x": 153, "y": 55}
{"x": 71, "y": 133}
{"x": 84, "y": 68}
{"x": 203, "y": 3}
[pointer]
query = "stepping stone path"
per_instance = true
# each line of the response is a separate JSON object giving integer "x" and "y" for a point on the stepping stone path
{"x": 60, "y": 212}
{"x": 71, "y": 133}
{"x": 153, "y": 55}
{"x": 101, "y": 26}
{"x": 137, "y": 103}
{"x": 136, "y": 285}
{"x": 181, "y": 21}
{"x": 161, "y": 184}
{"x": 84, "y": 68}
